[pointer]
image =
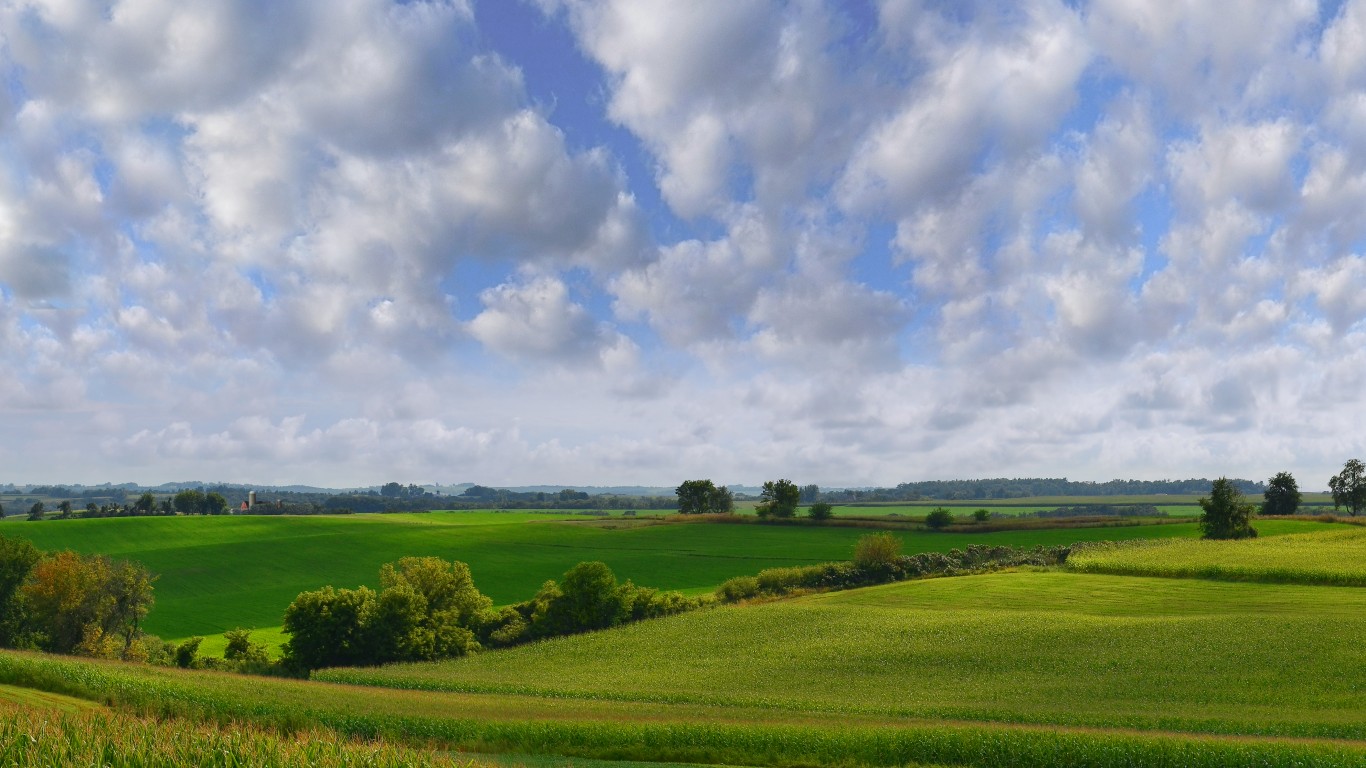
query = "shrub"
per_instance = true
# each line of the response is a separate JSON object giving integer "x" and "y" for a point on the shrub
{"x": 981, "y": 515}
{"x": 242, "y": 649}
{"x": 738, "y": 588}
{"x": 877, "y": 551}
{"x": 188, "y": 652}
{"x": 820, "y": 511}
{"x": 939, "y": 518}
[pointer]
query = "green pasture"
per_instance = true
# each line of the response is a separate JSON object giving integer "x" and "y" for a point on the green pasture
{"x": 218, "y": 573}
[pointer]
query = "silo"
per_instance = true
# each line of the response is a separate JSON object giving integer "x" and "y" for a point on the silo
{"x": 251, "y": 499}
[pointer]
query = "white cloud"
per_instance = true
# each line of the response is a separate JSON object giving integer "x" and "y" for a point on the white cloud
{"x": 537, "y": 321}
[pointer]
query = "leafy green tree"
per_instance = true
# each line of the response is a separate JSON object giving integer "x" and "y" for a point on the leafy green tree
{"x": 939, "y": 518}
{"x": 190, "y": 501}
{"x": 241, "y": 648}
{"x": 779, "y": 498}
{"x": 587, "y": 598}
{"x": 1349, "y": 487}
{"x": 35, "y": 512}
{"x": 146, "y": 504}
{"x": 17, "y": 558}
{"x": 820, "y": 511}
{"x": 187, "y": 653}
{"x": 64, "y": 509}
{"x": 215, "y": 503}
{"x": 981, "y": 515}
{"x": 810, "y": 494}
{"x": 327, "y": 628}
{"x": 1226, "y": 514}
{"x": 697, "y": 497}
{"x": 1282, "y": 495}
{"x": 86, "y": 604}
{"x": 451, "y": 606}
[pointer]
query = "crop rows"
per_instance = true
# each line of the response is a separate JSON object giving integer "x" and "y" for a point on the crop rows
{"x": 753, "y": 743}
{"x": 39, "y": 737}
{"x": 1336, "y": 557}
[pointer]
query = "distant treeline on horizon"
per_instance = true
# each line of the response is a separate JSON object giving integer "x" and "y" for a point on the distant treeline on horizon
{"x": 395, "y": 497}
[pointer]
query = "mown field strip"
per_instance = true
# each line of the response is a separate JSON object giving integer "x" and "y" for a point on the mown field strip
{"x": 1336, "y": 558}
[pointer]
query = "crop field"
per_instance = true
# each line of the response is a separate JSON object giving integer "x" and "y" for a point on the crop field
{"x": 1029, "y": 647}
{"x": 218, "y": 573}
{"x": 42, "y": 736}
{"x": 1337, "y": 557}
{"x": 1020, "y": 668}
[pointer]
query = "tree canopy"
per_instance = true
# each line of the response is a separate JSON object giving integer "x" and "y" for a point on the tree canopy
{"x": 1349, "y": 487}
{"x": 779, "y": 498}
{"x": 697, "y": 497}
{"x": 1282, "y": 495}
{"x": 1226, "y": 514}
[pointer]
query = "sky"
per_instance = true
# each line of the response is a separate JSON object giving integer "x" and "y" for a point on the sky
{"x": 621, "y": 242}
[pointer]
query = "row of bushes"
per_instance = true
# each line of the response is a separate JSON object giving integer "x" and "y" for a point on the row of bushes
{"x": 878, "y": 560}
{"x": 428, "y": 609}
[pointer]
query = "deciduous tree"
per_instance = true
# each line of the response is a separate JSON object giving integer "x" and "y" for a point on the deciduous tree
{"x": 779, "y": 499}
{"x": 1349, "y": 487}
{"x": 696, "y": 497}
{"x": 1226, "y": 514}
{"x": 1282, "y": 495}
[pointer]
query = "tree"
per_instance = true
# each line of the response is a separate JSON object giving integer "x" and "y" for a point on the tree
{"x": 190, "y": 502}
{"x": 35, "y": 512}
{"x": 779, "y": 499}
{"x": 391, "y": 490}
{"x": 146, "y": 504}
{"x": 1226, "y": 514}
{"x": 65, "y": 509}
{"x": 240, "y": 647}
{"x": 89, "y": 605}
{"x": 820, "y": 511}
{"x": 586, "y": 598}
{"x": 981, "y": 515}
{"x": 811, "y": 493}
{"x": 1282, "y": 495}
{"x": 215, "y": 503}
{"x": 17, "y": 558}
{"x": 1349, "y": 487}
{"x": 939, "y": 518}
{"x": 450, "y": 605}
{"x": 327, "y": 628}
{"x": 699, "y": 497}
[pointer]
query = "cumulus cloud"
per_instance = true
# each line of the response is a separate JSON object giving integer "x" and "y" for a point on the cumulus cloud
{"x": 854, "y": 243}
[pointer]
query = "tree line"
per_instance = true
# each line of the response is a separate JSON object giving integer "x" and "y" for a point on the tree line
{"x": 427, "y": 609}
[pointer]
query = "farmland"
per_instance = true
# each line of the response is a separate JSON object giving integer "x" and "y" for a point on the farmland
{"x": 218, "y": 573}
{"x": 1029, "y": 667}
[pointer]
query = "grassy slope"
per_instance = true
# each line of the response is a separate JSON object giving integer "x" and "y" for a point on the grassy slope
{"x": 1045, "y": 647}
{"x": 217, "y": 573}
{"x": 1337, "y": 557}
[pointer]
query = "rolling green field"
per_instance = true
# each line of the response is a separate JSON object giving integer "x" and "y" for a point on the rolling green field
{"x": 1028, "y": 647}
{"x": 218, "y": 573}
{"x": 1337, "y": 557}
{"x": 1033, "y": 667}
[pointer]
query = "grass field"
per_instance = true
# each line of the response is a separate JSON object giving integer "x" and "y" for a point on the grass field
{"x": 1337, "y": 557}
{"x": 1034, "y": 647}
{"x": 1018, "y": 668}
{"x": 218, "y": 573}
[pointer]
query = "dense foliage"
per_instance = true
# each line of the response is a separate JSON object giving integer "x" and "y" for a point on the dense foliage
{"x": 1282, "y": 495}
{"x": 66, "y": 602}
{"x": 779, "y": 499}
{"x": 699, "y": 497}
{"x": 877, "y": 561}
{"x": 1226, "y": 515}
{"x": 1349, "y": 487}
{"x": 429, "y": 609}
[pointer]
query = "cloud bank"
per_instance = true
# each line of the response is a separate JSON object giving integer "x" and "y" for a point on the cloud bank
{"x": 353, "y": 241}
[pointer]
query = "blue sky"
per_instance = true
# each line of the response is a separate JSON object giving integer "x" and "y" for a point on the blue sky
{"x": 638, "y": 241}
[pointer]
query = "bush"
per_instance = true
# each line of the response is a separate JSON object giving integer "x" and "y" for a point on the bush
{"x": 877, "y": 551}
{"x": 981, "y": 515}
{"x": 820, "y": 511}
{"x": 939, "y": 518}
{"x": 738, "y": 588}
{"x": 187, "y": 653}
